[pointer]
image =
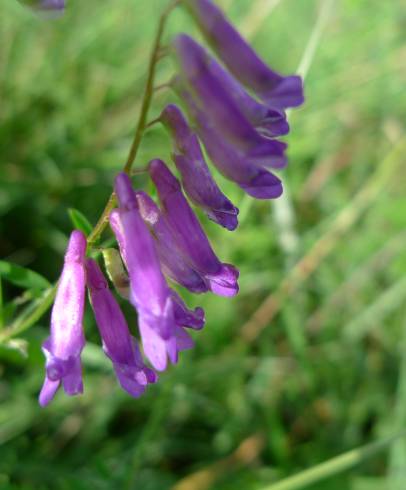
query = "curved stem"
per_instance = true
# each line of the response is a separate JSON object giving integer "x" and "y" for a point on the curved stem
{"x": 141, "y": 125}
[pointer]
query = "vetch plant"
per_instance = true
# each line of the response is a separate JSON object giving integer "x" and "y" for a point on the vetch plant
{"x": 233, "y": 107}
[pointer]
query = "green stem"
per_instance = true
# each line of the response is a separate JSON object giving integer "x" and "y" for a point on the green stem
{"x": 334, "y": 466}
{"x": 33, "y": 314}
{"x": 141, "y": 125}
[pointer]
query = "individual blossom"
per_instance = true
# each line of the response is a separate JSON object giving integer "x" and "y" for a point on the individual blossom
{"x": 197, "y": 180}
{"x": 149, "y": 292}
{"x": 172, "y": 261}
{"x": 268, "y": 121}
{"x": 275, "y": 90}
{"x": 45, "y": 6}
{"x": 189, "y": 235}
{"x": 118, "y": 344}
{"x": 64, "y": 346}
{"x": 231, "y": 162}
{"x": 224, "y": 114}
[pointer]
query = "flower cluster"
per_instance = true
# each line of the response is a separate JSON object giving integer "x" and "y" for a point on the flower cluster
{"x": 236, "y": 108}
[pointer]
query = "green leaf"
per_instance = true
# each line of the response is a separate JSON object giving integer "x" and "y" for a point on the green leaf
{"x": 79, "y": 221}
{"x": 22, "y": 277}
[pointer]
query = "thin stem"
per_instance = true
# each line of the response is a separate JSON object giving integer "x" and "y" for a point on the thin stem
{"x": 33, "y": 314}
{"x": 142, "y": 122}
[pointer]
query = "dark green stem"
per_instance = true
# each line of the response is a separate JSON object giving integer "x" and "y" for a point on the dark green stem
{"x": 142, "y": 122}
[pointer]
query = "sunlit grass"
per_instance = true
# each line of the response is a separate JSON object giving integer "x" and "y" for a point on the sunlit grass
{"x": 317, "y": 377}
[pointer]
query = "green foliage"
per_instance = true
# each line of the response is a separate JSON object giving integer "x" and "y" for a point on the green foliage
{"x": 327, "y": 373}
{"x": 79, "y": 221}
{"x": 22, "y": 277}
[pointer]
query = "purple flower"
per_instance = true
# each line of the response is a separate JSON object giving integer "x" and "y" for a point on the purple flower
{"x": 184, "y": 317}
{"x": 149, "y": 292}
{"x": 268, "y": 121}
{"x": 189, "y": 235}
{"x": 50, "y": 6}
{"x": 118, "y": 344}
{"x": 224, "y": 114}
{"x": 173, "y": 263}
{"x": 117, "y": 228}
{"x": 276, "y": 90}
{"x": 231, "y": 162}
{"x": 197, "y": 180}
{"x": 64, "y": 346}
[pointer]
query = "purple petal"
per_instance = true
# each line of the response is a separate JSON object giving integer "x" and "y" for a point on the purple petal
{"x": 48, "y": 390}
{"x": 197, "y": 180}
{"x": 276, "y": 90}
{"x": 268, "y": 121}
{"x": 189, "y": 235}
{"x": 118, "y": 344}
{"x": 173, "y": 263}
{"x": 64, "y": 346}
{"x": 223, "y": 112}
{"x": 50, "y": 8}
{"x": 187, "y": 318}
{"x": 149, "y": 292}
{"x": 233, "y": 164}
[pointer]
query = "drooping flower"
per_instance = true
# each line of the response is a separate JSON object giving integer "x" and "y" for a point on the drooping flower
{"x": 118, "y": 344}
{"x": 149, "y": 292}
{"x": 231, "y": 162}
{"x": 197, "y": 180}
{"x": 189, "y": 235}
{"x": 64, "y": 346}
{"x": 224, "y": 114}
{"x": 274, "y": 89}
{"x": 173, "y": 263}
{"x": 268, "y": 121}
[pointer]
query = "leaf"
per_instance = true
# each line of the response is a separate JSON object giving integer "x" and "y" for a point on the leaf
{"x": 79, "y": 221}
{"x": 22, "y": 277}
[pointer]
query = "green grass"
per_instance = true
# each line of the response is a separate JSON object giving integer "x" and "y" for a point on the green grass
{"x": 256, "y": 401}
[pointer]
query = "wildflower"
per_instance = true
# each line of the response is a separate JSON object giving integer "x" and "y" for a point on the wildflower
{"x": 189, "y": 235}
{"x": 274, "y": 89}
{"x": 149, "y": 292}
{"x": 172, "y": 261}
{"x": 197, "y": 180}
{"x": 232, "y": 163}
{"x": 268, "y": 121}
{"x": 64, "y": 346}
{"x": 118, "y": 344}
{"x": 45, "y": 6}
{"x": 224, "y": 114}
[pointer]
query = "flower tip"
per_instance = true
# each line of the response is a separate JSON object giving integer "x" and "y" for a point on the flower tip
{"x": 124, "y": 191}
{"x": 48, "y": 391}
{"x": 224, "y": 283}
{"x": 95, "y": 278}
{"x": 148, "y": 209}
{"x": 226, "y": 219}
{"x": 162, "y": 177}
{"x": 76, "y": 249}
{"x": 287, "y": 93}
{"x": 264, "y": 185}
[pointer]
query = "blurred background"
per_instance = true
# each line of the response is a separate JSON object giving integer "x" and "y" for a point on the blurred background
{"x": 309, "y": 361}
